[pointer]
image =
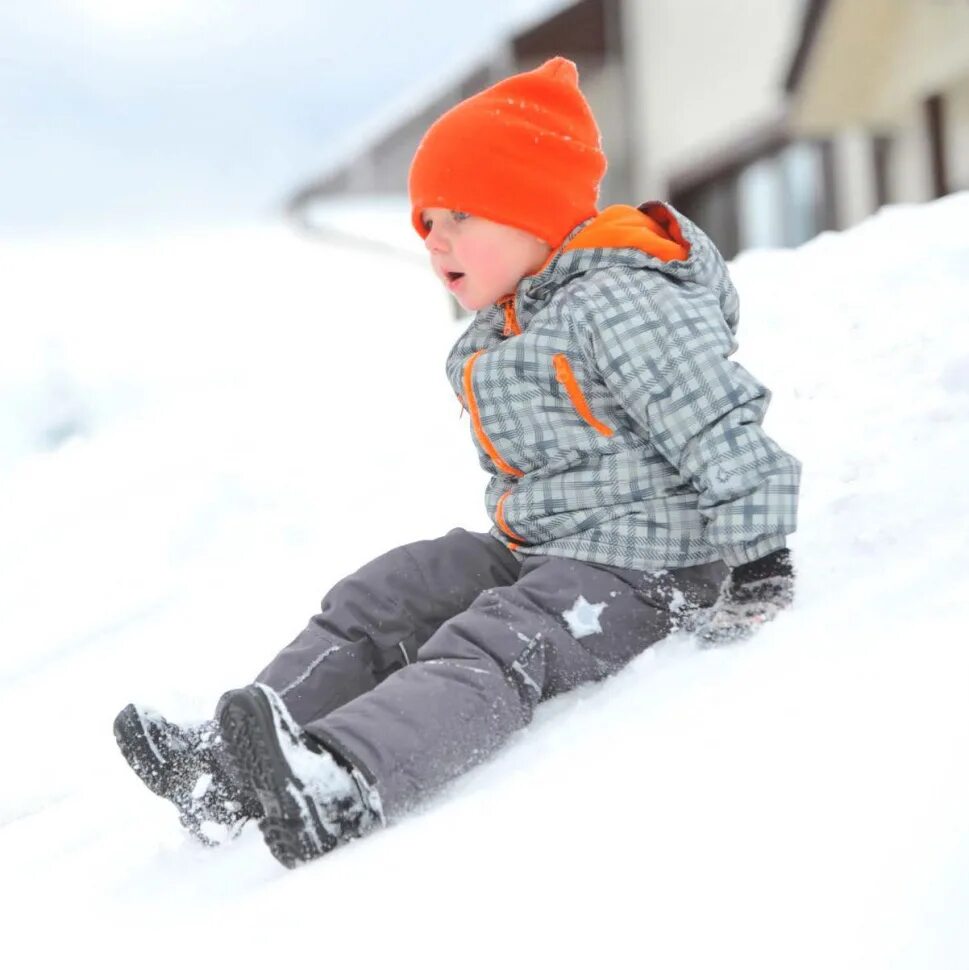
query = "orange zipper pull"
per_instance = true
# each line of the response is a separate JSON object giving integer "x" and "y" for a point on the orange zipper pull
{"x": 511, "y": 321}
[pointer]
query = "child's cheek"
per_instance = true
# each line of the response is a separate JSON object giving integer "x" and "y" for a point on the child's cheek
{"x": 489, "y": 259}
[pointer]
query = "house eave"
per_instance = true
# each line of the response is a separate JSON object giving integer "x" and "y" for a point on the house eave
{"x": 865, "y": 63}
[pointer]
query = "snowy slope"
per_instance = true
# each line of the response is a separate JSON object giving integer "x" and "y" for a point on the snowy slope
{"x": 255, "y": 421}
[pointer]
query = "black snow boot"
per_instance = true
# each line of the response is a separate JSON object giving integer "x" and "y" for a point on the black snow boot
{"x": 311, "y": 802}
{"x": 187, "y": 766}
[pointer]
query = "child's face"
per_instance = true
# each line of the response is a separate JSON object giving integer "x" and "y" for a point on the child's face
{"x": 478, "y": 260}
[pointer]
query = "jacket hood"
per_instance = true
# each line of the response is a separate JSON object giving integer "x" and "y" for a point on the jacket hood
{"x": 653, "y": 236}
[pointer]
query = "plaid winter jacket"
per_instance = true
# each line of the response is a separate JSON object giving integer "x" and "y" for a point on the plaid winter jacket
{"x": 603, "y": 404}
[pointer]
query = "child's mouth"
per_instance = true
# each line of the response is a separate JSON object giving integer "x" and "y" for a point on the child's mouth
{"x": 453, "y": 278}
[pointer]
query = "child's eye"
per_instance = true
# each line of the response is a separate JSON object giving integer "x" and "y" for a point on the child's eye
{"x": 458, "y": 216}
{"x": 427, "y": 223}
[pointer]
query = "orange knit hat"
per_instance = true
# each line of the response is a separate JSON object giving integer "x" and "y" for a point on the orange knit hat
{"x": 525, "y": 152}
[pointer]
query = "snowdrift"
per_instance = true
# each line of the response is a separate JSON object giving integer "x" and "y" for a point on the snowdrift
{"x": 189, "y": 457}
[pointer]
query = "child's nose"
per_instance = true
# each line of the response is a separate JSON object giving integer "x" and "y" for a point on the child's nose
{"x": 435, "y": 241}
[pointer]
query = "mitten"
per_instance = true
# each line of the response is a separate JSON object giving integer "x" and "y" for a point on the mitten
{"x": 755, "y": 593}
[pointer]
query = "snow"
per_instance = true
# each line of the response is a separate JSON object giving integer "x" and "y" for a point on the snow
{"x": 201, "y": 433}
{"x": 201, "y": 786}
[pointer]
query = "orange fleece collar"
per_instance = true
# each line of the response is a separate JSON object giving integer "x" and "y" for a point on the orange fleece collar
{"x": 652, "y": 229}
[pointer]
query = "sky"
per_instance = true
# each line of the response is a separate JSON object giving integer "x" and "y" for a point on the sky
{"x": 140, "y": 113}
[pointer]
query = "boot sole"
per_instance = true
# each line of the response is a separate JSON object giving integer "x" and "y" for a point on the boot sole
{"x": 142, "y": 756}
{"x": 155, "y": 772}
{"x": 290, "y": 825}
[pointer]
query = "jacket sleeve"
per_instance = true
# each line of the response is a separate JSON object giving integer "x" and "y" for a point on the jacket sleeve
{"x": 664, "y": 356}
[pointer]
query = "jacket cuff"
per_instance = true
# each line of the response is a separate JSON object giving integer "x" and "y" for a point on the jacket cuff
{"x": 749, "y": 551}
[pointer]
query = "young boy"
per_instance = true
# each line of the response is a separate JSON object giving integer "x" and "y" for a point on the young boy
{"x": 628, "y": 469}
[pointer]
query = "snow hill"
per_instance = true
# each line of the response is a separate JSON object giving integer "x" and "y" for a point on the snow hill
{"x": 201, "y": 433}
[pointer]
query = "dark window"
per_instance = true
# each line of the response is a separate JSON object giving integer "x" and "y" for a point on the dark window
{"x": 935, "y": 126}
{"x": 881, "y": 156}
{"x": 713, "y": 207}
{"x": 771, "y": 192}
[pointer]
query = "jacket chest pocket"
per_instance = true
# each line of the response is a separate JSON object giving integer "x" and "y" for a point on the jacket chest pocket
{"x": 566, "y": 377}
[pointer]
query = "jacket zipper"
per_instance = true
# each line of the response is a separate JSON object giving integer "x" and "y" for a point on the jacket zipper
{"x": 565, "y": 376}
{"x": 479, "y": 431}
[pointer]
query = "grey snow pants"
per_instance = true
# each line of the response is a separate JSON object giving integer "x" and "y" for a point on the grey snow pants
{"x": 424, "y": 661}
